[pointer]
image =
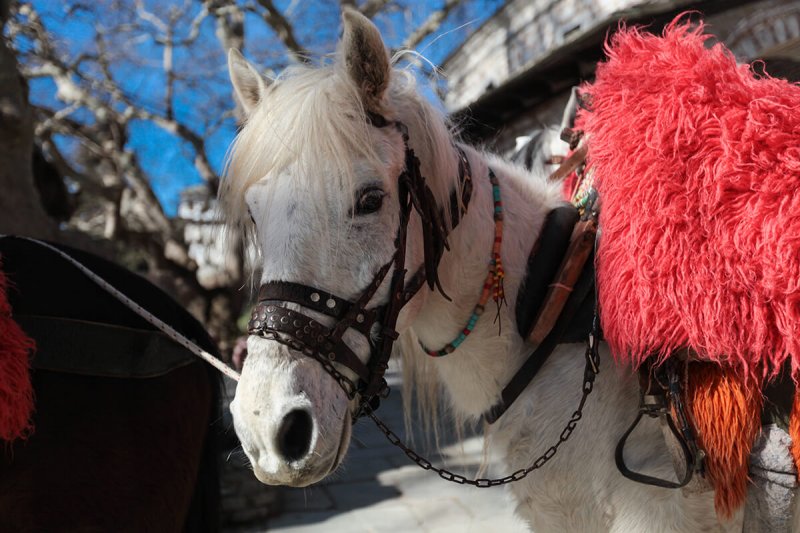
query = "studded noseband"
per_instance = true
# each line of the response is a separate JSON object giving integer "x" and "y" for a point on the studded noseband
{"x": 272, "y": 319}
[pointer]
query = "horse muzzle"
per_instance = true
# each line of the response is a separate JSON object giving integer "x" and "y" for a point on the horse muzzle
{"x": 292, "y": 419}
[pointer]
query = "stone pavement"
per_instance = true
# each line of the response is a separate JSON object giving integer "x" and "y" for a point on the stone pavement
{"x": 378, "y": 489}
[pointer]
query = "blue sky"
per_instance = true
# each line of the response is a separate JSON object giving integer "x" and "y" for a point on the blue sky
{"x": 167, "y": 159}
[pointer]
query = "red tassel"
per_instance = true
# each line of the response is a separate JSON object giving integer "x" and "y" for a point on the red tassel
{"x": 16, "y": 390}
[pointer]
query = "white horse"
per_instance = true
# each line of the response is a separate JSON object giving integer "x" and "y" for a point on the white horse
{"x": 314, "y": 182}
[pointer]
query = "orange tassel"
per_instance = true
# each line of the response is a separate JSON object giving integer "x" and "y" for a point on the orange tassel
{"x": 727, "y": 416}
{"x": 794, "y": 429}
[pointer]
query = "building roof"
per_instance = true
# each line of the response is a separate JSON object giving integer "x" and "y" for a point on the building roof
{"x": 566, "y": 66}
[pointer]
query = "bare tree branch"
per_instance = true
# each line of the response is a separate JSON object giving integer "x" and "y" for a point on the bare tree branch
{"x": 169, "y": 71}
{"x": 106, "y": 137}
{"x": 194, "y": 30}
{"x": 146, "y": 15}
{"x": 284, "y": 30}
{"x": 201, "y": 162}
{"x": 87, "y": 124}
{"x": 230, "y": 23}
{"x": 431, "y": 24}
{"x": 373, "y": 7}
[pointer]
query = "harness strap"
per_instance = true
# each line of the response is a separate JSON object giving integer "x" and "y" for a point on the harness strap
{"x": 459, "y": 209}
{"x": 305, "y": 333}
{"x": 581, "y": 295}
{"x": 558, "y": 286}
{"x": 457, "y": 212}
{"x": 571, "y": 163}
{"x": 580, "y": 248}
{"x": 543, "y": 264}
{"x": 316, "y": 300}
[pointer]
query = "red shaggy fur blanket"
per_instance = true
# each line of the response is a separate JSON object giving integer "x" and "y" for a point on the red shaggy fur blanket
{"x": 697, "y": 163}
{"x": 16, "y": 391}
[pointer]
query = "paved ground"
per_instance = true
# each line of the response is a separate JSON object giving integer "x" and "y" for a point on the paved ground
{"x": 378, "y": 489}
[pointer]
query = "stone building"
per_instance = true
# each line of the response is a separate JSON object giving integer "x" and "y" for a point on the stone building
{"x": 514, "y": 74}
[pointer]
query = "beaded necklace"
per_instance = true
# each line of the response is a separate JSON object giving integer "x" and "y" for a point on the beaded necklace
{"x": 493, "y": 286}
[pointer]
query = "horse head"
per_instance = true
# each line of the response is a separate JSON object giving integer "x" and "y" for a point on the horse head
{"x": 318, "y": 179}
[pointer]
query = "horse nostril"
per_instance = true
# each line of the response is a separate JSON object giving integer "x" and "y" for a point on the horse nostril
{"x": 294, "y": 435}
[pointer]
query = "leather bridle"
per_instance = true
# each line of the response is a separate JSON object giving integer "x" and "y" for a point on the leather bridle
{"x": 272, "y": 319}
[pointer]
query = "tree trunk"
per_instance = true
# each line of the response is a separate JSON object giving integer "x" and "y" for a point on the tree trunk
{"x": 21, "y": 212}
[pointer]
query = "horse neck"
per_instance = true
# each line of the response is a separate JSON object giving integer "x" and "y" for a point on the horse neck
{"x": 476, "y": 371}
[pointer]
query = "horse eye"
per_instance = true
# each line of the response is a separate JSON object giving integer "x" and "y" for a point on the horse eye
{"x": 369, "y": 201}
{"x": 250, "y": 214}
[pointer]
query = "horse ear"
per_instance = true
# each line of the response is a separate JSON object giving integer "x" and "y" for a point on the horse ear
{"x": 248, "y": 85}
{"x": 365, "y": 57}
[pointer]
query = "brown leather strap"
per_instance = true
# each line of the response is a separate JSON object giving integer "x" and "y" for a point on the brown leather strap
{"x": 523, "y": 377}
{"x": 571, "y": 163}
{"x": 317, "y": 300}
{"x": 543, "y": 264}
{"x": 307, "y": 333}
{"x": 580, "y": 248}
{"x": 458, "y": 210}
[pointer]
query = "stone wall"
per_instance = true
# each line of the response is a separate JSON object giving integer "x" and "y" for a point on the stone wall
{"x": 521, "y": 34}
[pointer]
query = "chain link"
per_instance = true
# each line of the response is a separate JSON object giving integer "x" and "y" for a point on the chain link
{"x": 592, "y": 368}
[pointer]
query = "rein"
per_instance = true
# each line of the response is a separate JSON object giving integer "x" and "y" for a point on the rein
{"x": 159, "y": 324}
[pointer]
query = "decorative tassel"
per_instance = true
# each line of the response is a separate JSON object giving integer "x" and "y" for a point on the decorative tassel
{"x": 794, "y": 430}
{"x": 726, "y": 412}
{"x": 16, "y": 390}
{"x": 497, "y": 273}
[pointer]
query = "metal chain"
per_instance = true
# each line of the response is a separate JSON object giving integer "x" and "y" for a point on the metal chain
{"x": 589, "y": 373}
